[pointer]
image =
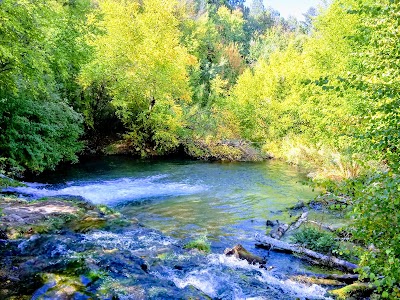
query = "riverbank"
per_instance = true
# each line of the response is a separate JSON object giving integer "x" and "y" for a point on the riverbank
{"x": 202, "y": 149}
{"x": 59, "y": 248}
{"x": 36, "y": 240}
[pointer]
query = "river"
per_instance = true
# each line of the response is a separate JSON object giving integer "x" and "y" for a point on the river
{"x": 182, "y": 200}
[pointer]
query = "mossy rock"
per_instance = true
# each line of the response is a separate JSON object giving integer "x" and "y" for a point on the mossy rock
{"x": 22, "y": 219}
{"x": 58, "y": 286}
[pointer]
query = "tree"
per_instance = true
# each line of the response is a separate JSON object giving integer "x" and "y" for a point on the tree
{"x": 39, "y": 128}
{"x": 143, "y": 66}
{"x": 257, "y": 8}
{"x": 237, "y": 3}
{"x": 375, "y": 80}
{"x": 309, "y": 16}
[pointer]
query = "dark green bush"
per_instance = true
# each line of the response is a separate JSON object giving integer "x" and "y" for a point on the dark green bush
{"x": 315, "y": 239}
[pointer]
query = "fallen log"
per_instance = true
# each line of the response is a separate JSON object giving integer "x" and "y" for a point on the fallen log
{"x": 318, "y": 258}
{"x": 322, "y": 226}
{"x": 282, "y": 228}
{"x": 240, "y": 252}
{"x": 316, "y": 280}
{"x": 344, "y": 278}
{"x": 358, "y": 290}
{"x": 300, "y": 220}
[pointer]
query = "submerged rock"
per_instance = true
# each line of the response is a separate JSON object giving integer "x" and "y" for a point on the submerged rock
{"x": 3, "y": 234}
{"x": 53, "y": 249}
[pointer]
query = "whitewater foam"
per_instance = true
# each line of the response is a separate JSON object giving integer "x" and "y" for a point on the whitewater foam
{"x": 263, "y": 276}
{"x": 113, "y": 191}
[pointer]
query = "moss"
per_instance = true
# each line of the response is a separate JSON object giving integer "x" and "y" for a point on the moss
{"x": 106, "y": 210}
{"x": 87, "y": 224}
{"x": 118, "y": 223}
{"x": 94, "y": 275}
{"x": 353, "y": 291}
{"x": 61, "y": 286}
{"x": 200, "y": 243}
{"x": 49, "y": 215}
{"x": 41, "y": 226}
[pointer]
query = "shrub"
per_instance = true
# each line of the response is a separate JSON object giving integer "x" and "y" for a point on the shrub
{"x": 315, "y": 239}
{"x": 377, "y": 215}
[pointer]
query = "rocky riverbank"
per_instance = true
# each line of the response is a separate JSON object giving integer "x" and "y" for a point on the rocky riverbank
{"x": 69, "y": 249}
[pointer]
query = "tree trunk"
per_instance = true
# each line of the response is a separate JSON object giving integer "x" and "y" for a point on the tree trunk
{"x": 317, "y": 280}
{"x": 319, "y": 258}
{"x": 356, "y": 290}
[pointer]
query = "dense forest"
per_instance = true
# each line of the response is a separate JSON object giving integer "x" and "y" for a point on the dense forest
{"x": 214, "y": 80}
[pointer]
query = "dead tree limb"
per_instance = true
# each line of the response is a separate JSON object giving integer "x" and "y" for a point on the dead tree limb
{"x": 300, "y": 220}
{"x": 318, "y": 258}
{"x": 322, "y": 226}
{"x": 345, "y": 278}
{"x": 282, "y": 228}
{"x": 240, "y": 252}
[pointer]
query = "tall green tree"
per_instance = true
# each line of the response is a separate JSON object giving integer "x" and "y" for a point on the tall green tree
{"x": 39, "y": 128}
{"x": 143, "y": 66}
{"x": 375, "y": 81}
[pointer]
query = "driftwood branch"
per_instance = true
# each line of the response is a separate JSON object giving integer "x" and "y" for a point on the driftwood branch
{"x": 322, "y": 226}
{"x": 345, "y": 278}
{"x": 300, "y": 220}
{"x": 282, "y": 228}
{"x": 318, "y": 258}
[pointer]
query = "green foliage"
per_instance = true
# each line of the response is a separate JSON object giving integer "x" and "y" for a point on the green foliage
{"x": 200, "y": 243}
{"x": 9, "y": 182}
{"x": 291, "y": 102}
{"x": 315, "y": 239}
{"x": 39, "y": 129}
{"x": 377, "y": 78}
{"x": 38, "y": 135}
{"x": 140, "y": 62}
{"x": 377, "y": 213}
{"x": 206, "y": 77}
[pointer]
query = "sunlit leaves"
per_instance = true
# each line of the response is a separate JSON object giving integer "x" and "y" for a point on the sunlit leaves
{"x": 41, "y": 51}
{"x": 140, "y": 60}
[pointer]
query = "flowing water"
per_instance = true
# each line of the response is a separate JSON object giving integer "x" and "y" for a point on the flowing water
{"x": 182, "y": 200}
